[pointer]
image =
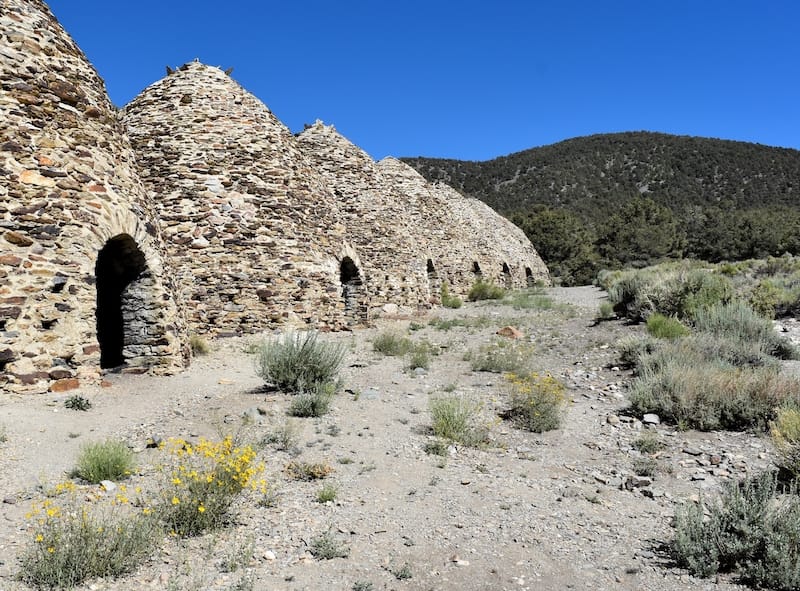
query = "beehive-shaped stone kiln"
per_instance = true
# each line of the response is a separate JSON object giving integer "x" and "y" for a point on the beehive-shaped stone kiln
{"x": 255, "y": 236}
{"x": 83, "y": 281}
{"x": 467, "y": 240}
{"x": 377, "y": 219}
{"x": 196, "y": 210}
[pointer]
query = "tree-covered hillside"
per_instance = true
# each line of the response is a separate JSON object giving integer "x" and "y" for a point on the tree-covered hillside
{"x": 635, "y": 198}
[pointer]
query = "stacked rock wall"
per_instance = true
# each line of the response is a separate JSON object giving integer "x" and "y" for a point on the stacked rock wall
{"x": 468, "y": 239}
{"x": 377, "y": 220}
{"x": 83, "y": 282}
{"x": 196, "y": 210}
{"x": 255, "y": 236}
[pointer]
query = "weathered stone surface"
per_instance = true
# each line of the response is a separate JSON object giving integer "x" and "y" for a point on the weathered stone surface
{"x": 65, "y": 385}
{"x": 52, "y": 155}
{"x": 196, "y": 210}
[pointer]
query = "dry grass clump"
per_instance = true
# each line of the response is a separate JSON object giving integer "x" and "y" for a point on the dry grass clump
{"x": 456, "y": 418}
{"x": 391, "y": 344}
{"x": 107, "y": 460}
{"x": 307, "y": 471}
{"x": 785, "y": 431}
{"x": 501, "y": 356}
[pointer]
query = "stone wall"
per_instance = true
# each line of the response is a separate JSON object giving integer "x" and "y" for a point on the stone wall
{"x": 196, "y": 210}
{"x": 464, "y": 232}
{"x": 376, "y": 218}
{"x": 255, "y": 235}
{"x": 68, "y": 189}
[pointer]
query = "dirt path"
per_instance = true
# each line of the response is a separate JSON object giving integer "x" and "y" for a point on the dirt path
{"x": 562, "y": 510}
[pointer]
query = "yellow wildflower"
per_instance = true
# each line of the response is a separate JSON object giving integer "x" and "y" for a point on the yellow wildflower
{"x": 175, "y": 500}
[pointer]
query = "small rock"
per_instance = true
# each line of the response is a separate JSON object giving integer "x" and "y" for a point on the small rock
{"x": 612, "y": 420}
{"x": 420, "y": 371}
{"x": 269, "y": 555}
{"x": 651, "y": 419}
{"x": 510, "y": 332}
{"x": 693, "y": 451}
{"x": 107, "y": 485}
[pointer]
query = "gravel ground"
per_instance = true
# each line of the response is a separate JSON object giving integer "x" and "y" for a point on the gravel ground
{"x": 560, "y": 510}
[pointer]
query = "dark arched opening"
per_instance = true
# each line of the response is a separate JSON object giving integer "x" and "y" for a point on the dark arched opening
{"x": 120, "y": 264}
{"x": 506, "y": 275}
{"x": 529, "y": 277}
{"x": 350, "y": 278}
{"x": 430, "y": 268}
{"x": 476, "y": 269}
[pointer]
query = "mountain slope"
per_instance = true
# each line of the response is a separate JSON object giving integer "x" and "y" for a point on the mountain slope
{"x": 631, "y": 199}
{"x": 584, "y": 173}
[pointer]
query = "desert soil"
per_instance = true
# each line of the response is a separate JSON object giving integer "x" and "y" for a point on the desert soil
{"x": 560, "y": 510}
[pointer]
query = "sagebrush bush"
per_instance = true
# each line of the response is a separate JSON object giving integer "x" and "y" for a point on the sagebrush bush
{"x": 752, "y": 530}
{"x": 107, "y": 460}
{"x": 391, "y": 344}
{"x": 485, "y": 290}
{"x": 785, "y": 431}
{"x": 501, "y": 356}
{"x": 297, "y": 362}
{"x": 314, "y": 402}
{"x": 665, "y": 327}
{"x": 449, "y": 301}
{"x": 536, "y": 401}
{"x": 689, "y": 390}
{"x": 72, "y": 544}
{"x": 680, "y": 292}
{"x": 456, "y": 418}
{"x": 202, "y": 483}
{"x": 740, "y": 322}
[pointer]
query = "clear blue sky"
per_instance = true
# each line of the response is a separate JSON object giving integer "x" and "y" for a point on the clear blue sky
{"x": 472, "y": 79}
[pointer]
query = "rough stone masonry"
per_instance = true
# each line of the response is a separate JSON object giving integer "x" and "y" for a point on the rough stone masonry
{"x": 194, "y": 210}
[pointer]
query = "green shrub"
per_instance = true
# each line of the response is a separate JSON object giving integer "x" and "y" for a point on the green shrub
{"x": 456, "y": 418}
{"x": 297, "y": 362}
{"x": 663, "y": 327}
{"x": 765, "y": 298}
{"x": 326, "y": 547}
{"x": 537, "y": 401}
{"x": 738, "y": 321}
{"x": 485, "y": 290}
{"x": 648, "y": 442}
{"x": 752, "y": 531}
{"x": 315, "y": 402}
{"x": 327, "y": 493}
{"x": 109, "y": 460}
{"x": 632, "y": 349}
{"x": 449, "y": 301}
{"x": 76, "y": 402}
{"x": 391, "y": 344}
{"x": 420, "y": 355}
{"x": 685, "y": 388}
{"x": 680, "y": 292}
{"x": 72, "y": 544}
{"x": 501, "y": 356}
